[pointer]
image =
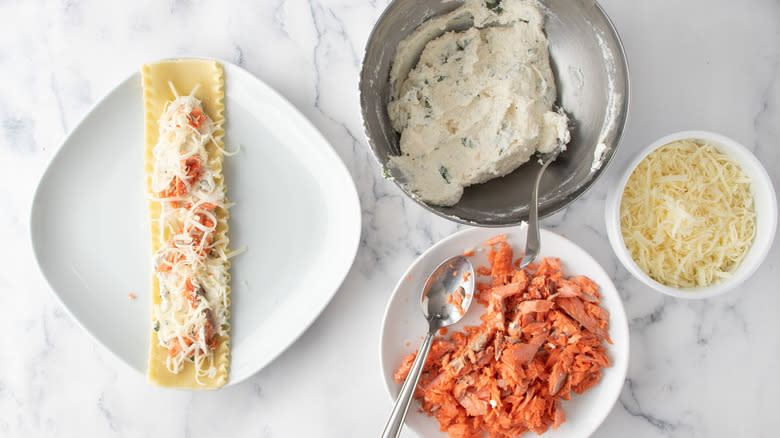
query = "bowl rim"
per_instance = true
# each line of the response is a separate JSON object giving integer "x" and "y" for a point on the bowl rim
{"x": 544, "y": 210}
{"x": 760, "y": 178}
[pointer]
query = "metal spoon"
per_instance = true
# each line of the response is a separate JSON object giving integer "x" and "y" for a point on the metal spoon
{"x": 454, "y": 276}
{"x": 532, "y": 237}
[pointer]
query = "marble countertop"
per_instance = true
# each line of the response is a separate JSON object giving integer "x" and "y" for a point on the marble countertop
{"x": 697, "y": 368}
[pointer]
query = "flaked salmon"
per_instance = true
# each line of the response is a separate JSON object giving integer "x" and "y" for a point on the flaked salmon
{"x": 541, "y": 337}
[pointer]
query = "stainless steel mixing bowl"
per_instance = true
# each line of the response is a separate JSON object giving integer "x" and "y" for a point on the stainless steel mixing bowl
{"x": 592, "y": 78}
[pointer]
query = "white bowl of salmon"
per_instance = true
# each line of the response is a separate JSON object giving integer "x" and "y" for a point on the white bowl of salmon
{"x": 693, "y": 216}
{"x": 540, "y": 350}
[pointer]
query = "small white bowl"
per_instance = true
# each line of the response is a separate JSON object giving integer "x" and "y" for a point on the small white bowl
{"x": 764, "y": 199}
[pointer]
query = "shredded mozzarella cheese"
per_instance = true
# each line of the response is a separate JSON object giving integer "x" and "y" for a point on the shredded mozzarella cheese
{"x": 687, "y": 214}
{"x": 190, "y": 266}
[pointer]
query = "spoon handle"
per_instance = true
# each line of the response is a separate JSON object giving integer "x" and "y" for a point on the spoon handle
{"x": 396, "y": 420}
{"x": 533, "y": 237}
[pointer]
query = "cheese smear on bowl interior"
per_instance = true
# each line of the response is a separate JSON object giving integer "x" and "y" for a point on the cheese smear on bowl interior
{"x": 478, "y": 103}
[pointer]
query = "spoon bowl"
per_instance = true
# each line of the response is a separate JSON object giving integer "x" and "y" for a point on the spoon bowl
{"x": 453, "y": 277}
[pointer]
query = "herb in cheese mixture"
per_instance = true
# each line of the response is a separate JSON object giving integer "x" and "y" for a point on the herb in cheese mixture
{"x": 478, "y": 103}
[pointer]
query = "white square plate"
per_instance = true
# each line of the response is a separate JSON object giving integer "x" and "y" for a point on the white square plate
{"x": 297, "y": 212}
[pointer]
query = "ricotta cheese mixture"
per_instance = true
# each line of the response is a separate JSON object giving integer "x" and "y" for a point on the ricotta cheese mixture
{"x": 478, "y": 103}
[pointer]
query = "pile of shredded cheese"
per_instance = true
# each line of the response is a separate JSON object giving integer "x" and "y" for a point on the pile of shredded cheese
{"x": 190, "y": 265}
{"x": 687, "y": 214}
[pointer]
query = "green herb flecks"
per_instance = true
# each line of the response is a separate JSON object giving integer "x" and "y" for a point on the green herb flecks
{"x": 541, "y": 85}
{"x": 445, "y": 174}
{"x": 440, "y": 78}
{"x": 386, "y": 174}
{"x": 494, "y": 6}
{"x": 427, "y": 103}
{"x": 156, "y": 326}
{"x": 468, "y": 142}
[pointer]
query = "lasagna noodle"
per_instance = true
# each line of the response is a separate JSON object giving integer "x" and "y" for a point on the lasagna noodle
{"x": 185, "y": 75}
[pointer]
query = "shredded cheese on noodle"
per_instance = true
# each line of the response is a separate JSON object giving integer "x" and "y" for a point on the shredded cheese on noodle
{"x": 190, "y": 265}
{"x": 687, "y": 215}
